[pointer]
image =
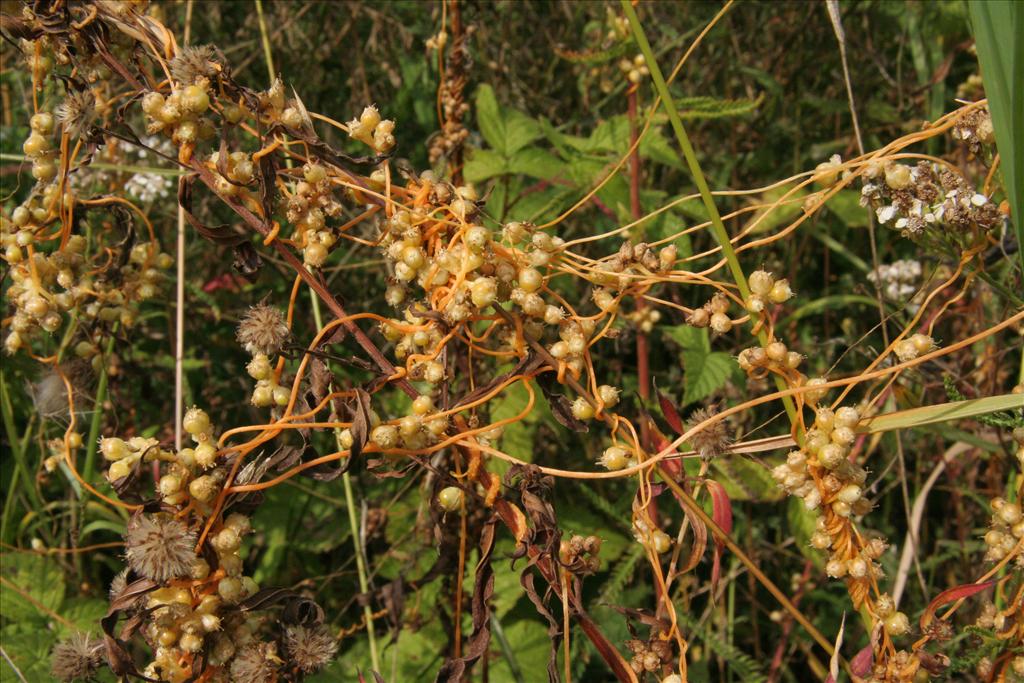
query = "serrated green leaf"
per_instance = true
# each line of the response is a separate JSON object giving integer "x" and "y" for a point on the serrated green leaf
{"x": 704, "y": 107}
{"x": 536, "y": 163}
{"x": 690, "y": 338}
{"x": 483, "y": 164}
{"x": 38, "y": 576}
{"x": 705, "y": 373}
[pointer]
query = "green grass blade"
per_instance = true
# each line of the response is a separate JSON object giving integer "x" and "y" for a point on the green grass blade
{"x": 999, "y": 36}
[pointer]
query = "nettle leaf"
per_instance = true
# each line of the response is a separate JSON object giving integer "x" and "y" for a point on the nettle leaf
{"x": 506, "y": 130}
{"x": 690, "y": 338}
{"x": 705, "y": 373}
{"x": 536, "y": 163}
{"x": 38, "y": 576}
{"x": 483, "y": 164}
{"x": 517, "y": 438}
{"x": 773, "y": 216}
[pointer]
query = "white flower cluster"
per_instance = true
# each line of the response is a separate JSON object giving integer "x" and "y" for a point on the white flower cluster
{"x": 148, "y": 187}
{"x": 898, "y": 279}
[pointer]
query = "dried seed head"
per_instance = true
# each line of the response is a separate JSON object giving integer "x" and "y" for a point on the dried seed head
{"x": 310, "y": 649}
{"x": 76, "y": 658}
{"x": 159, "y": 547}
{"x": 263, "y": 330}
{"x": 256, "y": 663}
{"x": 193, "y": 63}
{"x": 713, "y": 439}
{"x": 77, "y": 111}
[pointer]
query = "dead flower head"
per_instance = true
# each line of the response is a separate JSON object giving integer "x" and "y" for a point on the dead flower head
{"x": 159, "y": 547}
{"x": 311, "y": 648}
{"x": 263, "y": 330}
{"x": 77, "y": 112}
{"x": 76, "y": 658}
{"x": 256, "y": 663}
{"x": 712, "y": 439}
{"x": 194, "y": 63}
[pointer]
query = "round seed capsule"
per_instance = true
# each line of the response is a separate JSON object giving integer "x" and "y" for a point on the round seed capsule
{"x": 450, "y": 498}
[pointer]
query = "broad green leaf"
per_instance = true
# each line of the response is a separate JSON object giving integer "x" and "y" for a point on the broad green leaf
{"x": 802, "y": 525}
{"x": 705, "y": 373}
{"x": 489, "y": 119}
{"x": 482, "y": 164}
{"x": 529, "y": 641}
{"x": 29, "y": 650}
{"x": 506, "y": 130}
{"x": 845, "y": 204}
{"x": 536, "y": 163}
{"x": 771, "y": 217}
{"x": 744, "y": 479}
{"x": 690, "y": 338}
{"x": 39, "y": 577}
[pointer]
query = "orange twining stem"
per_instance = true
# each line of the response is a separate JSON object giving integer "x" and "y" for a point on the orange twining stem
{"x": 69, "y": 461}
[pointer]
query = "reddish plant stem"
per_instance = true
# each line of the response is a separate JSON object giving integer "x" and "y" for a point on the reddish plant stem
{"x": 787, "y": 626}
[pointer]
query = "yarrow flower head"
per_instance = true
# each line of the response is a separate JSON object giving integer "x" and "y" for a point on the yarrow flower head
{"x": 76, "y": 658}
{"x": 263, "y": 330}
{"x": 159, "y": 547}
{"x": 310, "y": 649}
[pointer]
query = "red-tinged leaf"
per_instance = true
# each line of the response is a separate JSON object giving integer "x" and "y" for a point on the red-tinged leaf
{"x": 862, "y": 662}
{"x": 673, "y": 467}
{"x": 668, "y": 409}
{"x": 951, "y": 595}
{"x": 721, "y": 506}
{"x": 721, "y": 513}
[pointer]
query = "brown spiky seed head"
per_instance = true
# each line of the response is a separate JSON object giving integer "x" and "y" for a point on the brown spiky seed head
{"x": 311, "y": 648}
{"x": 77, "y": 112}
{"x": 194, "y": 63}
{"x": 159, "y": 547}
{"x": 263, "y": 330}
{"x": 711, "y": 440}
{"x": 256, "y": 663}
{"x": 76, "y": 658}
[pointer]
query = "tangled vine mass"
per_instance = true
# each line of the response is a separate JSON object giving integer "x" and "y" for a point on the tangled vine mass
{"x": 406, "y": 382}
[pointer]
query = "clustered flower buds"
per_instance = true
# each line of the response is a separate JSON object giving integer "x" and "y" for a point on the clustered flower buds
{"x": 372, "y": 131}
{"x": 45, "y": 286}
{"x": 263, "y": 331}
{"x": 635, "y": 69}
{"x": 579, "y": 554}
{"x": 649, "y": 655}
{"x": 191, "y": 611}
{"x": 911, "y": 348}
{"x": 765, "y": 289}
{"x": 653, "y": 538}
{"x": 898, "y": 280}
{"x": 1005, "y": 532}
{"x": 308, "y": 209}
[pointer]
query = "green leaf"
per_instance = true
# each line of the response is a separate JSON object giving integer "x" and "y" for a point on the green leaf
{"x": 802, "y": 525}
{"x": 536, "y": 163}
{"x": 489, "y": 119}
{"x": 705, "y": 373}
{"x": 771, "y": 217}
{"x": 704, "y": 107}
{"x": 690, "y": 338}
{"x": 746, "y": 480}
{"x": 999, "y": 37}
{"x": 483, "y": 164}
{"x": 38, "y": 576}
{"x": 845, "y": 204}
{"x": 506, "y": 131}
